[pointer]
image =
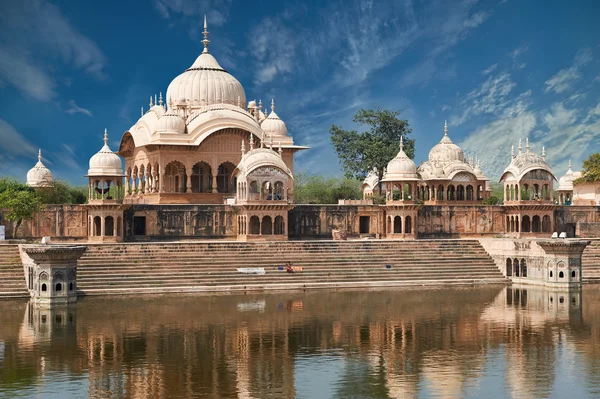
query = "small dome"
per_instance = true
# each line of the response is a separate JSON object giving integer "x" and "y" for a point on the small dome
{"x": 260, "y": 157}
{"x": 273, "y": 125}
{"x": 401, "y": 167}
{"x": 105, "y": 162}
{"x": 446, "y": 151}
{"x": 525, "y": 162}
{"x": 372, "y": 179}
{"x": 565, "y": 183}
{"x": 39, "y": 175}
{"x": 170, "y": 122}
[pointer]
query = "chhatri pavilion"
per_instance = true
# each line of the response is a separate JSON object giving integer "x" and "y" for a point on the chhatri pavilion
{"x": 204, "y": 162}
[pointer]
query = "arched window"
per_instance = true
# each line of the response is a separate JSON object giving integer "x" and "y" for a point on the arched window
{"x": 109, "y": 226}
{"x": 546, "y": 224}
{"x": 561, "y": 275}
{"x": 460, "y": 192}
{"x": 397, "y": 225}
{"x": 573, "y": 274}
{"x": 536, "y": 224}
{"x": 470, "y": 193}
{"x": 58, "y": 287}
{"x": 254, "y": 225}
{"x": 526, "y": 228}
{"x": 279, "y": 225}
{"x": 201, "y": 178}
{"x": 175, "y": 178}
{"x": 516, "y": 270}
{"x": 451, "y": 193}
{"x": 440, "y": 193}
{"x": 550, "y": 273}
{"x": 508, "y": 267}
{"x": 44, "y": 287}
{"x": 70, "y": 286}
{"x": 523, "y": 268}
{"x": 407, "y": 225}
{"x": 224, "y": 177}
{"x": 267, "y": 225}
{"x": 278, "y": 191}
{"x": 97, "y": 226}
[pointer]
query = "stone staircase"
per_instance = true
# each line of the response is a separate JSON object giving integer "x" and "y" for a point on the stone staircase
{"x": 12, "y": 277}
{"x": 211, "y": 266}
{"x": 590, "y": 263}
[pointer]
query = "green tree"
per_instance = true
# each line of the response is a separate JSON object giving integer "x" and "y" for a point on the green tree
{"x": 591, "y": 169}
{"x": 19, "y": 201}
{"x": 374, "y": 148}
{"x": 316, "y": 189}
{"x": 62, "y": 193}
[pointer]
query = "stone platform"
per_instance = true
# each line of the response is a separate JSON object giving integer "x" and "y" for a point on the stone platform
{"x": 210, "y": 266}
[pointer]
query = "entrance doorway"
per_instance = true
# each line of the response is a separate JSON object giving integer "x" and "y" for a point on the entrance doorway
{"x": 139, "y": 225}
{"x": 364, "y": 224}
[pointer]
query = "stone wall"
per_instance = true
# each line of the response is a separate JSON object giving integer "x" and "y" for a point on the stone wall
{"x": 459, "y": 221}
{"x": 501, "y": 249}
{"x": 578, "y": 221}
{"x": 318, "y": 221}
{"x": 57, "y": 221}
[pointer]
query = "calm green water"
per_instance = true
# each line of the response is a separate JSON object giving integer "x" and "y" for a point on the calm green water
{"x": 489, "y": 342}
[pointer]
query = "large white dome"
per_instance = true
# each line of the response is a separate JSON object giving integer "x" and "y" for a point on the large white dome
{"x": 446, "y": 151}
{"x": 39, "y": 175}
{"x": 105, "y": 162}
{"x": 206, "y": 83}
{"x": 401, "y": 167}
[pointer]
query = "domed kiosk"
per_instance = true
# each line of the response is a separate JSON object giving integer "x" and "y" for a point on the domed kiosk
{"x": 105, "y": 213}
{"x": 265, "y": 192}
{"x": 528, "y": 201}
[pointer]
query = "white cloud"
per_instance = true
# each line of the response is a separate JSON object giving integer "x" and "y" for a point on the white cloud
{"x": 273, "y": 49}
{"x": 489, "y": 69}
{"x": 68, "y": 157}
{"x": 558, "y": 117}
{"x": 565, "y": 78}
{"x": 13, "y": 144}
{"x": 516, "y": 56}
{"x": 190, "y": 14}
{"x": 34, "y": 35}
{"x": 75, "y": 109}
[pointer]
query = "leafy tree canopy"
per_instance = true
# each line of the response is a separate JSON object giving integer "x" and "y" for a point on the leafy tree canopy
{"x": 315, "y": 189}
{"x": 360, "y": 153}
{"x": 21, "y": 202}
{"x": 591, "y": 170}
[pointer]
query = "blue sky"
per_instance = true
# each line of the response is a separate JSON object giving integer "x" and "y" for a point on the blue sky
{"x": 496, "y": 70}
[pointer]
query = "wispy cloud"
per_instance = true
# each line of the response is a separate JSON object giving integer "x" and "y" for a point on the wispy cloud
{"x": 75, "y": 109}
{"x": 565, "y": 78}
{"x": 190, "y": 13}
{"x": 13, "y": 144}
{"x": 274, "y": 49}
{"x": 34, "y": 35}
{"x": 68, "y": 157}
{"x": 517, "y": 56}
{"x": 489, "y": 69}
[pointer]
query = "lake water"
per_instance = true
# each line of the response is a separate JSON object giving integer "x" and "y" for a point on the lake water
{"x": 490, "y": 342}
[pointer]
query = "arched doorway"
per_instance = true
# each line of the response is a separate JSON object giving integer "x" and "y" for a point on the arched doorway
{"x": 407, "y": 225}
{"x": 224, "y": 184}
{"x": 536, "y": 224}
{"x": 526, "y": 228}
{"x": 109, "y": 226}
{"x": 267, "y": 226}
{"x": 175, "y": 179}
{"x": 254, "y": 225}
{"x": 397, "y": 225}
{"x": 201, "y": 178}
{"x": 97, "y": 226}
{"x": 508, "y": 267}
{"x": 546, "y": 224}
{"x": 279, "y": 225}
{"x": 516, "y": 270}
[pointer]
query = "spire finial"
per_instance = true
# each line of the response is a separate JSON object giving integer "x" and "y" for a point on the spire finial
{"x": 251, "y": 141}
{"x": 512, "y": 151}
{"x": 160, "y": 100}
{"x": 527, "y": 144}
{"x": 445, "y": 128}
{"x": 570, "y": 164}
{"x": 401, "y": 143}
{"x": 151, "y": 102}
{"x": 142, "y": 111}
{"x": 272, "y": 105}
{"x": 105, "y": 136}
{"x": 544, "y": 152}
{"x": 205, "y": 33}
{"x": 155, "y": 102}
{"x": 520, "y": 146}
{"x": 40, "y": 155}
{"x": 243, "y": 147}
{"x": 280, "y": 150}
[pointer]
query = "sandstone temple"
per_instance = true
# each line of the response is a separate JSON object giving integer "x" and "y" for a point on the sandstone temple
{"x": 204, "y": 162}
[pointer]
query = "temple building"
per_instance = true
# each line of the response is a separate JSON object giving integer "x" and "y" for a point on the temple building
{"x": 206, "y": 162}
{"x": 184, "y": 151}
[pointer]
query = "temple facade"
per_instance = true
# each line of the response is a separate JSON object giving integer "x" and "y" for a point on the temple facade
{"x": 204, "y": 162}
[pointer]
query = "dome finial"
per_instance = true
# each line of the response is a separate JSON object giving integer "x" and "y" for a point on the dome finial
{"x": 512, "y": 151}
{"x": 401, "y": 143}
{"x": 570, "y": 164}
{"x": 160, "y": 100}
{"x": 544, "y": 152}
{"x": 155, "y": 102}
{"x": 527, "y": 144}
{"x": 105, "y": 136}
{"x": 280, "y": 150}
{"x": 151, "y": 102}
{"x": 520, "y": 146}
{"x": 243, "y": 147}
{"x": 40, "y": 155}
{"x": 251, "y": 141}
{"x": 205, "y": 33}
{"x": 445, "y": 128}
{"x": 142, "y": 111}
{"x": 272, "y": 105}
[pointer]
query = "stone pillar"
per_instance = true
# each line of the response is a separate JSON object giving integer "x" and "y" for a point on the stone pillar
{"x": 51, "y": 272}
{"x": 562, "y": 262}
{"x": 102, "y": 231}
{"x": 161, "y": 181}
{"x": 189, "y": 182}
{"x": 214, "y": 183}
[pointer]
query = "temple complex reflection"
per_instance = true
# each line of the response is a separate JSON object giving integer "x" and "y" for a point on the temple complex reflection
{"x": 387, "y": 344}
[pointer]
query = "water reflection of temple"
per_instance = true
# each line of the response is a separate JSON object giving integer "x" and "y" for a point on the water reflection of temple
{"x": 388, "y": 344}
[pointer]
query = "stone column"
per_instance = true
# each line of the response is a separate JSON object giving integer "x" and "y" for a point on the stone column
{"x": 189, "y": 182}
{"x": 127, "y": 188}
{"x": 214, "y": 183}
{"x": 102, "y": 231}
{"x": 161, "y": 181}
